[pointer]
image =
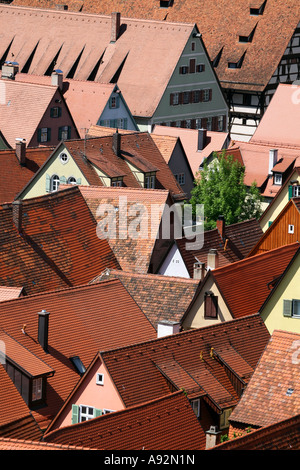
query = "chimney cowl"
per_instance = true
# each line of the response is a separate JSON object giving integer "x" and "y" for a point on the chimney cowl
{"x": 9, "y": 70}
{"x": 201, "y": 139}
{"x": 57, "y": 78}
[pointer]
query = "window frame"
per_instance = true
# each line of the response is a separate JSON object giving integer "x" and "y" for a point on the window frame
{"x": 54, "y": 182}
{"x": 99, "y": 381}
{"x": 210, "y": 306}
{"x": 275, "y": 179}
{"x": 149, "y": 180}
{"x": 196, "y": 407}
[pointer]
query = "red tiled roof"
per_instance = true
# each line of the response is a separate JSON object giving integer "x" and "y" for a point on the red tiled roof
{"x": 132, "y": 250}
{"x": 82, "y": 321}
{"x": 138, "y": 374}
{"x": 246, "y": 284}
{"x": 24, "y": 444}
{"x": 159, "y": 297}
{"x": 167, "y": 423}
{"x": 8, "y": 293}
{"x": 236, "y": 244}
{"x": 273, "y": 393}
{"x": 16, "y": 419}
{"x": 262, "y": 54}
{"x": 22, "y": 174}
{"x": 58, "y": 247}
{"x": 283, "y": 435}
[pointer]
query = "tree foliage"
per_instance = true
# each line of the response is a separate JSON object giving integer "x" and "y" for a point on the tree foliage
{"x": 220, "y": 188}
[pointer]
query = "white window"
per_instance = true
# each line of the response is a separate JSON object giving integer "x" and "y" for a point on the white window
{"x": 196, "y": 407}
{"x": 149, "y": 180}
{"x": 64, "y": 157}
{"x": 180, "y": 178}
{"x": 175, "y": 98}
{"x": 220, "y": 123}
{"x": 86, "y": 413}
{"x": 209, "y": 123}
{"x": 188, "y": 123}
{"x": 278, "y": 178}
{"x": 44, "y": 134}
{"x": 198, "y": 123}
{"x": 116, "y": 182}
{"x": 37, "y": 388}
{"x": 206, "y": 95}
{"x": 99, "y": 379}
{"x": 291, "y": 229}
{"x": 64, "y": 133}
{"x": 296, "y": 191}
{"x": 71, "y": 180}
{"x": 54, "y": 183}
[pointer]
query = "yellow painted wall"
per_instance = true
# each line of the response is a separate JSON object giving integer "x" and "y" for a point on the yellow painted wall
{"x": 138, "y": 174}
{"x": 104, "y": 178}
{"x": 280, "y": 202}
{"x": 288, "y": 289}
{"x": 195, "y": 317}
{"x": 54, "y": 166}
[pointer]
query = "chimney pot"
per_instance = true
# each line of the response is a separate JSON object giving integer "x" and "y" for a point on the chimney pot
{"x": 21, "y": 150}
{"x": 9, "y": 70}
{"x": 43, "y": 329}
{"x": 273, "y": 155}
{"x": 115, "y": 25}
{"x": 167, "y": 327}
{"x": 17, "y": 214}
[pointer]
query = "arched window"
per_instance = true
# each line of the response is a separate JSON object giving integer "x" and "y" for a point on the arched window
{"x": 71, "y": 180}
{"x": 54, "y": 183}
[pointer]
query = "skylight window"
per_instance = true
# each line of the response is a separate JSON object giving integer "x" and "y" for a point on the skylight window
{"x": 254, "y": 11}
{"x": 76, "y": 361}
{"x": 289, "y": 392}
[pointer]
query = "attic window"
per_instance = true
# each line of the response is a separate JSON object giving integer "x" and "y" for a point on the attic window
{"x": 278, "y": 178}
{"x": 245, "y": 39}
{"x": 165, "y": 4}
{"x": 291, "y": 229}
{"x": 100, "y": 379}
{"x": 289, "y": 392}
{"x": 210, "y": 305}
{"x": 64, "y": 157}
{"x": 238, "y": 64}
{"x": 76, "y": 361}
{"x": 291, "y": 308}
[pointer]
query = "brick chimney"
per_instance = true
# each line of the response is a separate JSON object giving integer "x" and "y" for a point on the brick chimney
{"x": 21, "y": 150}
{"x": 17, "y": 214}
{"x": 221, "y": 225}
{"x": 115, "y": 26}
{"x": 43, "y": 329}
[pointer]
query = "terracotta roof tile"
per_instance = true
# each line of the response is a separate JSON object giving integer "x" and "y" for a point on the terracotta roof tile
{"x": 159, "y": 297}
{"x": 58, "y": 246}
{"x": 71, "y": 334}
{"x": 26, "y": 444}
{"x": 256, "y": 71}
{"x": 236, "y": 244}
{"x": 9, "y": 164}
{"x": 16, "y": 419}
{"x": 8, "y": 293}
{"x": 134, "y": 366}
{"x": 246, "y": 284}
{"x": 167, "y": 423}
{"x": 272, "y": 394}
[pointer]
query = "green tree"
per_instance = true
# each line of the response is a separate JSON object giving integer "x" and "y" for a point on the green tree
{"x": 220, "y": 188}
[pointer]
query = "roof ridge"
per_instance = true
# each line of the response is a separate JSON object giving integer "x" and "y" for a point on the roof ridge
{"x": 152, "y": 276}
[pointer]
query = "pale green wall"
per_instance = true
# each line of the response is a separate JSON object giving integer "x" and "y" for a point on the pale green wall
{"x": 54, "y": 166}
{"x": 288, "y": 289}
{"x": 104, "y": 178}
{"x": 188, "y": 82}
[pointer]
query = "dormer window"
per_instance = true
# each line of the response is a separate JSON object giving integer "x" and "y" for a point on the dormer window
{"x": 236, "y": 65}
{"x": 149, "y": 180}
{"x": 255, "y": 11}
{"x": 165, "y": 3}
{"x": 117, "y": 181}
{"x": 278, "y": 179}
{"x": 210, "y": 305}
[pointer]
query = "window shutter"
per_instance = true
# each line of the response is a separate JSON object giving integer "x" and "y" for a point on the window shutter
{"x": 39, "y": 135}
{"x": 59, "y": 111}
{"x": 48, "y": 133}
{"x": 210, "y": 94}
{"x": 192, "y": 66}
{"x": 97, "y": 412}
{"x": 171, "y": 98}
{"x": 59, "y": 133}
{"x": 69, "y": 132}
{"x": 117, "y": 101}
{"x": 78, "y": 181}
{"x": 51, "y": 112}
{"x": 214, "y": 123}
{"x": 287, "y": 308}
{"x": 201, "y": 95}
{"x": 180, "y": 98}
{"x": 75, "y": 414}
{"x": 47, "y": 183}
{"x": 125, "y": 123}
{"x": 193, "y": 124}
{"x": 63, "y": 180}
{"x": 109, "y": 102}
{"x": 290, "y": 192}
{"x": 211, "y": 306}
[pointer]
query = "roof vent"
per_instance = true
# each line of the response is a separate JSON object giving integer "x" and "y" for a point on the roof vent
{"x": 43, "y": 329}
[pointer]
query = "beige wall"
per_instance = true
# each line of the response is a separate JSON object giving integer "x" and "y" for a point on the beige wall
{"x": 54, "y": 166}
{"x": 195, "y": 317}
{"x": 288, "y": 289}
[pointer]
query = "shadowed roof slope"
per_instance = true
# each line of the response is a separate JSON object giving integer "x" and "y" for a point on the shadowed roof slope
{"x": 16, "y": 420}
{"x": 82, "y": 321}
{"x": 221, "y": 25}
{"x": 145, "y": 371}
{"x": 159, "y": 297}
{"x": 167, "y": 423}
{"x": 246, "y": 284}
{"x": 273, "y": 393}
{"x": 57, "y": 245}
{"x": 15, "y": 176}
